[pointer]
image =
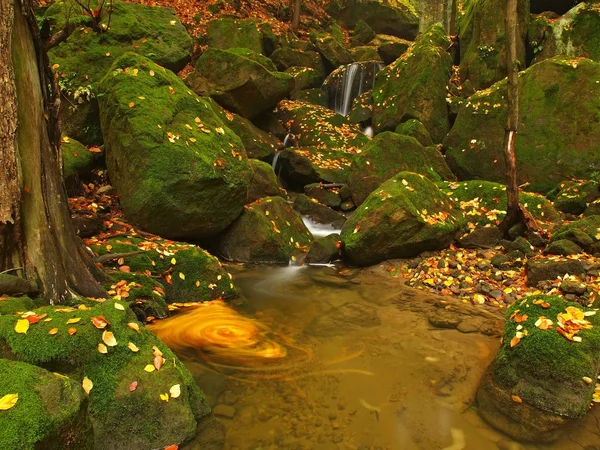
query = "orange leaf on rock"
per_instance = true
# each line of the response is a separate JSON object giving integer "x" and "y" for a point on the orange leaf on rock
{"x": 53, "y": 331}
{"x": 100, "y": 322}
{"x": 158, "y": 362}
{"x": 109, "y": 339}
{"x": 516, "y": 399}
{"x": 514, "y": 341}
{"x": 133, "y": 386}
{"x": 87, "y": 385}
{"x": 72, "y": 331}
{"x": 125, "y": 269}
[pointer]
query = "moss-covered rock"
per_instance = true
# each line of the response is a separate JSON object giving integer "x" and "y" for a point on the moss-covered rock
{"x": 327, "y": 196}
{"x": 240, "y": 80}
{"x": 544, "y": 371}
{"x": 558, "y": 137}
{"x": 405, "y": 216}
{"x": 258, "y": 143}
{"x": 268, "y": 231}
{"x": 294, "y": 168}
{"x": 482, "y": 40}
{"x": 313, "y": 96}
{"x": 563, "y": 247}
{"x": 324, "y": 250}
{"x": 584, "y": 232}
{"x": 390, "y": 48}
{"x": 77, "y": 161}
{"x": 226, "y": 32}
{"x": 264, "y": 181}
{"x": 187, "y": 273}
{"x": 304, "y": 78}
{"x": 362, "y": 33}
{"x": 395, "y": 17}
{"x": 416, "y": 130}
{"x": 386, "y": 155}
{"x": 364, "y": 53}
{"x": 574, "y": 34}
{"x": 318, "y": 212}
{"x": 86, "y": 56}
{"x": 334, "y": 54}
{"x": 574, "y": 198}
{"x": 144, "y": 295}
{"x": 9, "y": 305}
{"x": 286, "y": 57}
{"x": 179, "y": 170}
{"x": 362, "y": 108}
{"x": 484, "y": 202}
{"x": 122, "y": 418}
{"x": 414, "y": 86}
{"x": 50, "y": 413}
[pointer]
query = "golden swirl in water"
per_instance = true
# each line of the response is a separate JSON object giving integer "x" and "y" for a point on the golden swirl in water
{"x": 220, "y": 334}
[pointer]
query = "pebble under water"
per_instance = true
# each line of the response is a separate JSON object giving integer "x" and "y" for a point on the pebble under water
{"x": 310, "y": 359}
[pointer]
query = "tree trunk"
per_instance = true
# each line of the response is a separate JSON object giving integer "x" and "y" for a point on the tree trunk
{"x": 37, "y": 238}
{"x": 296, "y": 15}
{"x": 513, "y": 213}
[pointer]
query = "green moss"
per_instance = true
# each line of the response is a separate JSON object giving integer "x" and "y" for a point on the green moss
{"x": 386, "y": 155}
{"x": 484, "y": 202}
{"x": 144, "y": 295}
{"x": 47, "y": 412}
{"x": 77, "y": 160}
{"x": 180, "y": 172}
{"x": 557, "y": 139}
{"x": 226, "y": 33}
{"x": 405, "y": 216}
{"x": 574, "y": 198}
{"x": 414, "y": 86}
{"x": 545, "y": 369}
{"x": 9, "y": 305}
{"x": 590, "y": 226}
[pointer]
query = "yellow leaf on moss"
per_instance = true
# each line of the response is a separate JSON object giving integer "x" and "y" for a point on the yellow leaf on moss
{"x": 134, "y": 326}
{"x": 109, "y": 339}
{"x": 73, "y": 320}
{"x": 164, "y": 397}
{"x": 53, "y": 331}
{"x": 102, "y": 349}
{"x": 134, "y": 348}
{"x": 8, "y": 401}
{"x": 175, "y": 391}
{"x": 22, "y": 326}
{"x": 149, "y": 368}
{"x": 119, "y": 307}
{"x": 87, "y": 385}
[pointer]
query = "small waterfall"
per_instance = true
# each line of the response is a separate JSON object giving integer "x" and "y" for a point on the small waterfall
{"x": 369, "y": 131}
{"x": 287, "y": 142}
{"x": 348, "y": 82}
{"x": 275, "y": 158}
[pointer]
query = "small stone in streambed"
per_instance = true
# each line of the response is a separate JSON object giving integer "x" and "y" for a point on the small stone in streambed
{"x": 563, "y": 247}
{"x": 485, "y": 237}
{"x": 224, "y": 411}
{"x": 573, "y": 287}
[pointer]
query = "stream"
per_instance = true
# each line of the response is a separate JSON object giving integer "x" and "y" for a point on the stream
{"x": 349, "y": 362}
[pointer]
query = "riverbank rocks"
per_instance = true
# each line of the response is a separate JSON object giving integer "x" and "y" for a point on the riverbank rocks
{"x": 50, "y": 411}
{"x": 395, "y": 17}
{"x": 294, "y": 168}
{"x": 324, "y": 250}
{"x": 263, "y": 183}
{"x": 268, "y": 231}
{"x": 574, "y": 198}
{"x": 542, "y": 269}
{"x": 558, "y": 133}
{"x": 386, "y": 155}
{"x": 180, "y": 171}
{"x": 187, "y": 272}
{"x": 334, "y": 54}
{"x": 415, "y": 86}
{"x": 583, "y": 232}
{"x": 226, "y": 32}
{"x": 482, "y": 40}
{"x": 537, "y": 383}
{"x": 240, "y": 80}
{"x": 287, "y": 57}
{"x": 405, "y": 216}
{"x": 484, "y": 202}
{"x": 86, "y": 56}
{"x": 573, "y": 34}
{"x": 77, "y": 160}
{"x": 124, "y": 415}
{"x": 318, "y": 212}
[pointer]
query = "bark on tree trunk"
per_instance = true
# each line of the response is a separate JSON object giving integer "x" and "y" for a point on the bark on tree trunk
{"x": 37, "y": 238}
{"x": 513, "y": 213}
{"x": 296, "y": 15}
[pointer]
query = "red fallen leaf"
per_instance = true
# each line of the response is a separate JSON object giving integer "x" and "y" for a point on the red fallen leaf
{"x": 33, "y": 319}
{"x": 133, "y": 386}
{"x": 159, "y": 290}
{"x": 168, "y": 278}
{"x": 172, "y": 447}
{"x": 124, "y": 269}
{"x": 100, "y": 322}
{"x": 158, "y": 362}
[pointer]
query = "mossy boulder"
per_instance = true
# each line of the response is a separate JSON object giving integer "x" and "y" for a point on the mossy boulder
{"x": 240, "y": 80}
{"x": 324, "y": 250}
{"x": 364, "y": 53}
{"x": 535, "y": 387}
{"x": 187, "y": 272}
{"x": 313, "y": 96}
{"x": 77, "y": 161}
{"x": 484, "y": 202}
{"x": 584, "y": 232}
{"x": 334, "y": 54}
{"x": 9, "y": 305}
{"x": 226, "y": 32}
{"x": 415, "y": 86}
{"x": 179, "y": 170}
{"x": 483, "y": 40}
{"x": 415, "y": 129}
{"x": 144, "y": 295}
{"x": 258, "y": 143}
{"x": 405, "y": 216}
{"x": 558, "y": 133}
{"x": 574, "y": 198}
{"x": 304, "y": 78}
{"x": 397, "y": 17}
{"x": 318, "y": 212}
{"x": 574, "y": 34}
{"x": 122, "y": 418}
{"x": 390, "y": 48}
{"x": 86, "y": 56}
{"x": 286, "y": 57}
{"x": 268, "y": 231}
{"x": 563, "y": 247}
{"x": 386, "y": 155}
{"x": 264, "y": 181}
{"x": 362, "y": 33}
{"x": 50, "y": 413}
{"x": 327, "y": 196}
{"x": 294, "y": 168}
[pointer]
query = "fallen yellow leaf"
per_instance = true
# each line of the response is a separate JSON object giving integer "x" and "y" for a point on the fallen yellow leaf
{"x": 87, "y": 385}
{"x": 102, "y": 349}
{"x": 119, "y": 307}
{"x": 164, "y": 397}
{"x": 175, "y": 390}
{"x": 8, "y": 401}
{"x": 22, "y": 326}
{"x": 53, "y": 331}
{"x": 149, "y": 368}
{"x": 134, "y": 326}
{"x": 73, "y": 320}
{"x": 133, "y": 347}
{"x": 109, "y": 338}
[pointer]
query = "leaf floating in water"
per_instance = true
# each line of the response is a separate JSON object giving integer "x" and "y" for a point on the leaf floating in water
{"x": 8, "y": 401}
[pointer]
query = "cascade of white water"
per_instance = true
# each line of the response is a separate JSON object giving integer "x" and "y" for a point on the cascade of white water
{"x": 287, "y": 142}
{"x": 343, "y": 105}
{"x": 274, "y": 162}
